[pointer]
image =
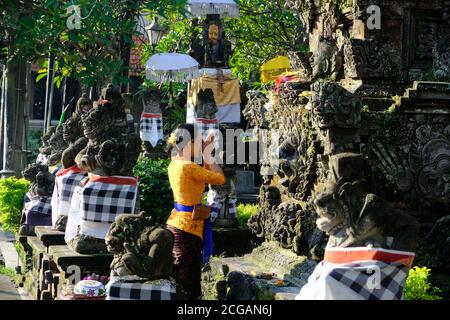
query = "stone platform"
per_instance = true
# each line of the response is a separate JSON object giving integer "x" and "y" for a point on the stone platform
{"x": 272, "y": 278}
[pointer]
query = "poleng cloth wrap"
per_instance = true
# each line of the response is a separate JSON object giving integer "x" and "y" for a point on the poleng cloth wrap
{"x": 103, "y": 198}
{"x": 65, "y": 183}
{"x": 151, "y": 127}
{"x": 207, "y": 126}
{"x": 37, "y": 210}
{"x": 226, "y": 93}
{"x": 358, "y": 274}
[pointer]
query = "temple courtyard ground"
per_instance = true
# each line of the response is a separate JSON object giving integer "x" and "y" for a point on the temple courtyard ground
{"x": 8, "y": 260}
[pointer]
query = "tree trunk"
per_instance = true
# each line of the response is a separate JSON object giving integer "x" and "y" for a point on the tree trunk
{"x": 15, "y": 121}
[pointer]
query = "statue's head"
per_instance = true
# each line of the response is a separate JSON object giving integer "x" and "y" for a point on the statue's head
{"x": 326, "y": 61}
{"x": 332, "y": 105}
{"x": 151, "y": 100}
{"x": 206, "y": 107}
{"x": 57, "y": 145}
{"x": 213, "y": 33}
{"x": 84, "y": 104}
{"x": 126, "y": 228}
{"x": 72, "y": 130}
{"x": 42, "y": 181}
{"x": 112, "y": 95}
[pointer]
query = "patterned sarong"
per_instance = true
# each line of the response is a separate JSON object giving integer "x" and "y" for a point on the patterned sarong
{"x": 37, "y": 210}
{"x": 207, "y": 126}
{"x": 151, "y": 128}
{"x": 358, "y": 274}
{"x": 118, "y": 289}
{"x": 66, "y": 181}
{"x": 103, "y": 198}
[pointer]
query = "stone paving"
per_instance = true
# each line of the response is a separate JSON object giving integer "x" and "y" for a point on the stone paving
{"x": 8, "y": 291}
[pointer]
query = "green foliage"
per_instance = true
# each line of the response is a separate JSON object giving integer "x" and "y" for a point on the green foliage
{"x": 418, "y": 286}
{"x": 155, "y": 193}
{"x": 245, "y": 211}
{"x": 7, "y": 271}
{"x": 94, "y": 53}
{"x": 12, "y": 192}
{"x": 264, "y": 30}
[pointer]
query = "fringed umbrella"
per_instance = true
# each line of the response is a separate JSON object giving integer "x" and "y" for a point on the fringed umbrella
{"x": 202, "y": 8}
{"x": 171, "y": 67}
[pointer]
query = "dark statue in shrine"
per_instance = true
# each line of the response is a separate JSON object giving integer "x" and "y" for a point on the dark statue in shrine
{"x": 140, "y": 248}
{"x": 215, "y": 51}
{"x": 151, "y": 123}
{"x": 206, "y": 108}
{"x": 355, "y": 217}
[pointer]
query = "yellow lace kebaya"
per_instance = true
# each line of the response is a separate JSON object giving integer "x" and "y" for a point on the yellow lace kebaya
{"x": 188, "y": 181}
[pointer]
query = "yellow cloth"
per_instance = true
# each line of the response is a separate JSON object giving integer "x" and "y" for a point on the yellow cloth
{"x": 229, "y": 94}
{"x": 274, "y": 67}
{"x": 188, "y": 181}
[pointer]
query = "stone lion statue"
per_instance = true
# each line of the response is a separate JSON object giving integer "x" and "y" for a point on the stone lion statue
{"x": 140, "y": 248}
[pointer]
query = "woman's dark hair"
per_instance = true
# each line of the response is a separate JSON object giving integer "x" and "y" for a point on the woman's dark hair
{"x": 183, "y": 132}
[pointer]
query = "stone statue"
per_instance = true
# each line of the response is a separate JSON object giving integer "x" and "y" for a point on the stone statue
{"x": 57, "y": 145}
{"x": 37, "y": 202}
{"x": 206, "y": 108}
{"x": 140, "y": 248}
{"x": 73, "y": 132}
{"x": 42, "y": 181}
{"x": 441, "y": 59}
{"x": 112, "y": 153}
{"x": 326, "y": 61}
{"x": 336, "y": 113}
{"x": 255, "y": 109}
{"x": 215, "y": 50}
{"x": 355, "y": 217}
{"x": 45, "y": 150}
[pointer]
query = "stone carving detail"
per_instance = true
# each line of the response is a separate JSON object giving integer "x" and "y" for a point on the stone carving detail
{"x": 109, "y": 151}
{"x": 441, "y": 59}
{"x": 255, "y": 110}
{"x": 57, "y": 144}
{"x": 326, "y": 61}
{"x": 353, "y": 216}
{"x": 42, "y": 181}
{"x": 336, "y": 114}
{"x": 213, "y": 50}
{"x": 371, "y": 59}
{"x": 415, "y": 157}
{"x": 140, "y": 248}
{"x": 73, "y": 132}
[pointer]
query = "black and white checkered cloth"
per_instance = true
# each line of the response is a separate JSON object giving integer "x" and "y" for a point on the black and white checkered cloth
{"x": 365, "y": 280}
{"x": 39, "y": 205}
{"x": 67, "y": 184}
{"x": 103, "y": 201}
{"x": 379, "y": 281}
{"x": 133, "y": 290}
{"x": 207, "y": 127}
{"x": 151, "y": 128}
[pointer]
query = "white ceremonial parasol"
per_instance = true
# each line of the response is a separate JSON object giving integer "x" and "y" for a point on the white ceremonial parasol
{"x": 171, "y": 67}
{"x": 201, "y": 8}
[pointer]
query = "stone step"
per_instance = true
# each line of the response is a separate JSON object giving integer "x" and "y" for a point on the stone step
{"x": 288, "y": 272}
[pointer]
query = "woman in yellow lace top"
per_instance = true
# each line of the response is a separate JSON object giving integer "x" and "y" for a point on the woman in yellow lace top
{"x": 188, "y": 181}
